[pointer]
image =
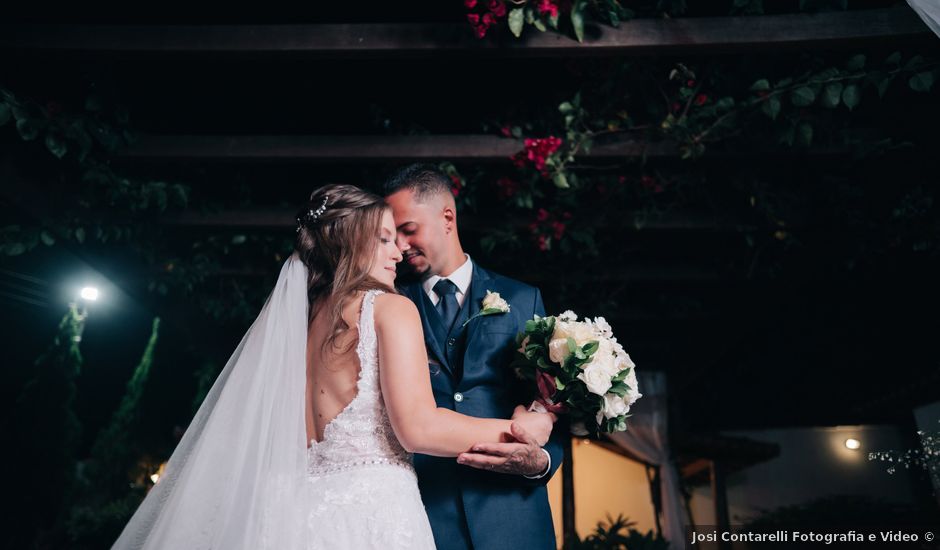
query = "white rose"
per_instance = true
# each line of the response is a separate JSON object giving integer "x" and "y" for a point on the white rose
{"x": 614, "y": 406}
{"x": 634, "y": 392}
{"x": 558, "y": 350}
{"x": 582, "y": 333}
{"x": 562, "y": 330}
{"x": 623, "y": 361}
{"x": 568, "y": 315}
{"x": 604, "y": 360}
{"x": 603, "y": 327}
{"x": 492, "y": 300}
{"x": 596, "y": 379}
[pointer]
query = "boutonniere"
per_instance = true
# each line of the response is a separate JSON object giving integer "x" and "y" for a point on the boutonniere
{"x": 493, "y": 303}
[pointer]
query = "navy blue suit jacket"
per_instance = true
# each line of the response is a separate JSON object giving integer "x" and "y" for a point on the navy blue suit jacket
{"x": 467, "y": 507}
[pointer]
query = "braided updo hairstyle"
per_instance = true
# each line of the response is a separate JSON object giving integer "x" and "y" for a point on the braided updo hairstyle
{"x": 337, "y": 234}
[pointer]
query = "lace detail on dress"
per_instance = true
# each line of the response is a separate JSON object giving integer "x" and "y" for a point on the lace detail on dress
{"x": 361, "y": 434}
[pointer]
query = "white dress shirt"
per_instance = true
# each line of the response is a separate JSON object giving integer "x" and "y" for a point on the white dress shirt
{"x": 460, "y": 277}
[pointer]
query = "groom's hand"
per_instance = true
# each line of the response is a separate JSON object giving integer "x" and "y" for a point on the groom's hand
{"x": 524, "y": 456}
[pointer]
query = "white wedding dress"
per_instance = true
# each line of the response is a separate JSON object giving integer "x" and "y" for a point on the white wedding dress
{"x": 361, "y": 489}
{"x": 244, "y": 476}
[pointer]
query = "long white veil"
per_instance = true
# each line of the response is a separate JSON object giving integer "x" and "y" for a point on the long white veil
{"x": 231, "y": 481}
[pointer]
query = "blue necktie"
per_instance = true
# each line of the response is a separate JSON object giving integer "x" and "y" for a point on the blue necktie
{"x": 447, "y": 306}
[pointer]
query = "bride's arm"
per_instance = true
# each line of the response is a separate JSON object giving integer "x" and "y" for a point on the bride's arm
{"x": 420, "y": 425}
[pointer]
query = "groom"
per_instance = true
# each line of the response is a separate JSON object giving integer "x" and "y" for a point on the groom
{"x": 494, "y": 496}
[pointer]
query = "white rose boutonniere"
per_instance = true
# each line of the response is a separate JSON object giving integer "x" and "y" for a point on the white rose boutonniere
{"x": 493, "y": 303}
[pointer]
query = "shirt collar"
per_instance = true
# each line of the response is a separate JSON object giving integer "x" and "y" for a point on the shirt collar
{"x": 460, "y": 277}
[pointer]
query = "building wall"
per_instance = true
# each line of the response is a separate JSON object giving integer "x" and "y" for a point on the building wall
{"x": 604, "y": 483}
{"x": 813, "y": 462}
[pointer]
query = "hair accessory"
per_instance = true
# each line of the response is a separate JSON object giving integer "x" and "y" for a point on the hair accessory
{"x": 311, "y": 216}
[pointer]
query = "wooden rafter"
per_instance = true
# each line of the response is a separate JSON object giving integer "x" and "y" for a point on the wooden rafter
{"x": 637, "y": 37}
{"x": 397, "y": 148}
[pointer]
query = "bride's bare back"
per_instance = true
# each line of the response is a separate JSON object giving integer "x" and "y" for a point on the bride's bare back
{"x": 332, "y": 370}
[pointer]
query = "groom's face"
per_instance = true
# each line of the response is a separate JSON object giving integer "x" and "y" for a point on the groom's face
{"x": 421, "y": 232}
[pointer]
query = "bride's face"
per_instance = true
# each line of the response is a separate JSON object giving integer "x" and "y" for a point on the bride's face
{"x": 386, "y": 253}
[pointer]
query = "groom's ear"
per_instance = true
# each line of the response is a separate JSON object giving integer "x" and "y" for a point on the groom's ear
{"x": 450, "y": 218}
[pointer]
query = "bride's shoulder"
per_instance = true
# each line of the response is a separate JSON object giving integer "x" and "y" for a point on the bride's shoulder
{"x": 394, "y": 308}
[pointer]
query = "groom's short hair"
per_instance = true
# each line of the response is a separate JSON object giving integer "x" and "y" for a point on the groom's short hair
{"x": 425, "y": 180}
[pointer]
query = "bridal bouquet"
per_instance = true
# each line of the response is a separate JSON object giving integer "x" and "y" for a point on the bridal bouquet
{"x": 579, "y": 369}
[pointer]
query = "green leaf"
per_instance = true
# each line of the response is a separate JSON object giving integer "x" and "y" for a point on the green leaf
{"x": 832, "y": 95}
{"x": 760, "y": 86}
{"x": 539, "y": 25}
{"x": 577, "y": 20}
{"x": 5, "y": 113}
{"x": 921, "y": 82}
{"x": 559, "y": 384}
{"x": 516, "y": 19}
{"x": 851, "y": 96}
{"x": 856, "y": 62}
{"x": 56, "y": 145}
{"x": 572, "y": 345}
{"x": 565, "y": 108}
{"x": 47, "y": 238}
{"x": 803, "y": 96}
{"x": 14, "y": 249}
{"x": 80, "y": 235}
{"x": 893, "y": 59}
{"x": 590, "y": 347}
{"x": 805, "y": 133}
{"x": 771, "y": 108}
{"x": 560, "y": 181}
{"x": 28, "y": 129}
{"x": 883, "y": 86}
{"x": 239, "y": 239}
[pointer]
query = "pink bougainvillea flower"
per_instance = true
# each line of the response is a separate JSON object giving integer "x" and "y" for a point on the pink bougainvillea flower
{"x": 701, "y": 99}
{"x": 470, "y": 4}
{"x": 498, "y": 7}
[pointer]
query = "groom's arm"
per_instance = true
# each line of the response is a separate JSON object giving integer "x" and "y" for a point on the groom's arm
{"x": 532, "y": 464}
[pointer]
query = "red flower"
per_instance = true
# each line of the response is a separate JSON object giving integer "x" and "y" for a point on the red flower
{"x": 498, "y": 7}
{"x": 488, "y": 19}
{"x": 473, "y": 18}
{"x": 676, "y": 107}
{"x": 558, "y": 230}
{"x": 547, "y": 7}
{"x": 505, "y": 131}
{"x": 541, "y": 215}
{"x": 701, "y": 99}
{"x": 538, "y": 150}
{"x": 455, "y": 190}
{"x": 534, "y": 228}
{"x": 543, "y": 242}
{"x": 690, "y": 83}
{"x": 470, "y": 4}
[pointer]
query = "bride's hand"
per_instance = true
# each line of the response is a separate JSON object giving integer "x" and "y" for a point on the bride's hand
{"x": 538, "y": 425}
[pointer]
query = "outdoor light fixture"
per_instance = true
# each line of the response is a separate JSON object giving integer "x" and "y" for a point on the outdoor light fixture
{"x": 853, "y": 444}
{"x": 89, "y": 293}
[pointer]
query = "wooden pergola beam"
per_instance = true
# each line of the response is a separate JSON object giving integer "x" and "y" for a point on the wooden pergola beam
{"x": 364, "y": 149}
{"x": 340, "y": 149}
{"x": 638, "y": 37}
{"x": 280, "y": 218}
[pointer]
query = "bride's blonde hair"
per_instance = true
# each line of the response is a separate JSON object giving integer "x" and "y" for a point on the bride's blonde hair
{"x": 337, "y": 234}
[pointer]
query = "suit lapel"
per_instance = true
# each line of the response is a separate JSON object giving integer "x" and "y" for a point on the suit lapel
{"x": 478, "y": 288}
{"x": 430, "y": 322}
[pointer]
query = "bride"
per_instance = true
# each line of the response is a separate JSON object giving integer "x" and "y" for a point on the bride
{"x": 305, "y": 439}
